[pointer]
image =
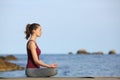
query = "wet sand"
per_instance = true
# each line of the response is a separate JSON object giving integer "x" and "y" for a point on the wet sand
{"x": 65, "y": 78}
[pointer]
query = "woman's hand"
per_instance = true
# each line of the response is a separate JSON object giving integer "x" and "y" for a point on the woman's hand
{"x": 53, "y": 65}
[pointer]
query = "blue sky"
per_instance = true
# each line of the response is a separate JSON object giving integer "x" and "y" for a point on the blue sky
{"x": 68, "y": 25}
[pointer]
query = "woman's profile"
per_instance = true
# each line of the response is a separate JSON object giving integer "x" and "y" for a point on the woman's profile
{"x": 33, "y": 69}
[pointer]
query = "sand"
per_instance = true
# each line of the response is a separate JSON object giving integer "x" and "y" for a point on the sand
{"x": 65, "y": 78}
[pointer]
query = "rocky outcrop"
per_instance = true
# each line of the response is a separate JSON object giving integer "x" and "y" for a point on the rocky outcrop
{"x": 2, "y": 58}
{"x": 10, "y": 57}
{"x": 99, "y": 52}
{"x": 70, "y": 53}
{"x": 112, "y": 52}
{"x": 82, "y": 51}
{"x": 8, "y": 66}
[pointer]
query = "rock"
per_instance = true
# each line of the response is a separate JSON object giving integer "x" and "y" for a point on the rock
{"x": 70, "y": 53}
{"x": 112, "y": 52}
{"x": 82, "y": 51}
{"x": 8, "y": 66}
{"x": 1, "y": 57}
{"x": 99, "y": 52}
{"x": 11, "y": 57}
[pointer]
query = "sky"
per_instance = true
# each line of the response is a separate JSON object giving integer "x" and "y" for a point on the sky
{"x": 67, "y": 25}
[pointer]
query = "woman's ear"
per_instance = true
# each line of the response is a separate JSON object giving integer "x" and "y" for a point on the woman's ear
{"x": 33, "y": 31}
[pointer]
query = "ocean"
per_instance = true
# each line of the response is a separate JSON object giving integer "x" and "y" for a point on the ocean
{"x": 74, "y": 65}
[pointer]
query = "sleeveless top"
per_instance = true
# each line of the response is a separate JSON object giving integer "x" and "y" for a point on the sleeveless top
{"x": 30, "y": 61}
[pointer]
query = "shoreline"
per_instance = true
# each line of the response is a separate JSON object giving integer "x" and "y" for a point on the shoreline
{"x": 64, "y": 78}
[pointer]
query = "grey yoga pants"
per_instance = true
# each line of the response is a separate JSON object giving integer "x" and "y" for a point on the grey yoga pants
{"x": 41, "y": 72}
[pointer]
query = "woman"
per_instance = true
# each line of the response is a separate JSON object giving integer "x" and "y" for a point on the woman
{"x": 33, "y": 64}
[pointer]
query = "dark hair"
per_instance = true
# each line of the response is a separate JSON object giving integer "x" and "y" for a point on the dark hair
{"x": 29, "y": 28}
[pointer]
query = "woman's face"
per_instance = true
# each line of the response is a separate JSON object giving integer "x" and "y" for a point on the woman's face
{"x": 38, "y": 31}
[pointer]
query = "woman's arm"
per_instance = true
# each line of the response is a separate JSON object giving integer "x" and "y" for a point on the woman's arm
{"x": 32, "y": 47}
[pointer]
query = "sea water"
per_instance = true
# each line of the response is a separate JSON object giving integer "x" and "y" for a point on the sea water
{"x": 74, "y": 65}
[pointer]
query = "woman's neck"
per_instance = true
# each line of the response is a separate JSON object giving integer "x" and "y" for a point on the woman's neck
{"x": 33, "y": 37}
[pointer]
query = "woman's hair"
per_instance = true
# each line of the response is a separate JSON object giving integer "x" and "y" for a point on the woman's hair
{"x": 30, "y": 28}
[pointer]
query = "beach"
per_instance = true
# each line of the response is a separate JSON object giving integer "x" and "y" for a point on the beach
{"x": 66, "y": 78}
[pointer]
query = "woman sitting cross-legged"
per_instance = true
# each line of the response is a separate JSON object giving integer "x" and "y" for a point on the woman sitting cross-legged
{"x": 33, "y": 64}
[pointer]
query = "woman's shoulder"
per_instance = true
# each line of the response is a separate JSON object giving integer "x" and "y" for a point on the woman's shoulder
{"x": 31, "y": 43}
